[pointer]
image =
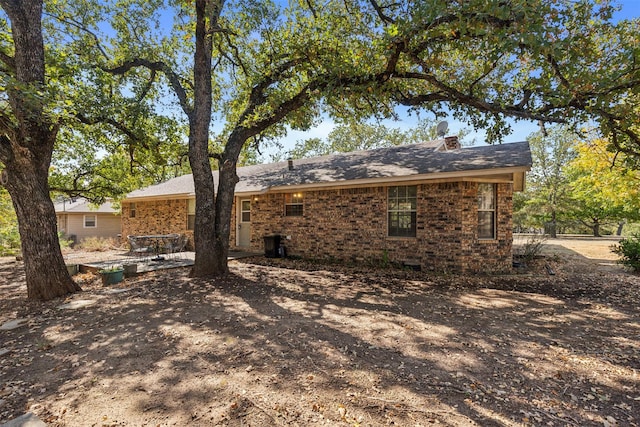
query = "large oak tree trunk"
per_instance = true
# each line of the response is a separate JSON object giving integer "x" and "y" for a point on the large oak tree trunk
{"x": 206, "y": 259}
{"x": 26, "y": 146}
{"x": 228, "y": 179}
{"x": 46, "y": 274}
{"x": 203, "y": 233}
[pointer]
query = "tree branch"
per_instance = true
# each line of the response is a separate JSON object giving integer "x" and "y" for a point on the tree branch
{"x": 147, "y": 87}
{"x": 235, "y": 59}
{"x": 174, "y": 78}
{"x": 450, "y": 21}
{"x": 5, "y": 149}
{"x": 615, "y": 138}
{"x": 8, "y": 60}
{"x": 312, "y": 9}
{"x": 7, "y": 136}
{"x": 556, "y": 69}
{"x": 483, "y": 75}
{"x": 110, "y": 121}
{"x": 448, "y": 93}
{"x": 82, "y": 28}
{"x": 379, "y": 10}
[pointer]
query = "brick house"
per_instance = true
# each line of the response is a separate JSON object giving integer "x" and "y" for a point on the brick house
{"x": 433, "y": 205}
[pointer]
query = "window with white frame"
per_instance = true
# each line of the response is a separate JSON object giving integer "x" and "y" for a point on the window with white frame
{"x": 61, "y": 223}
{"x": 486, "y": 211}
{"x": 401, "y": 211}
{"x": 293, "y": 204}
{"x": 191, "y": 214}
{"x": 132, "y": 210}
{"x": 90, "y": 221}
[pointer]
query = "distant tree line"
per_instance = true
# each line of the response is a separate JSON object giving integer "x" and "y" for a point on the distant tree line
{"x": 578, "y": 184}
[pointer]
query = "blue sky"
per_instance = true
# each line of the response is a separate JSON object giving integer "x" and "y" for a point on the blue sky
{"x": 520, "y": 130}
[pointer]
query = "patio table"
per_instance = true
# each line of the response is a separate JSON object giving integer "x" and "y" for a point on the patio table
{"x": 160, "y": 242}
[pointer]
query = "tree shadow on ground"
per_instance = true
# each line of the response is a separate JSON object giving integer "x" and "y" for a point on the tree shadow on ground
{"x": 269, "y": 345}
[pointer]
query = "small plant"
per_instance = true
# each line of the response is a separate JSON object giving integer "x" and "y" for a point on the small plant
{"x": 112, "y": 274}
{"x": 533, "y": 247}
{"x": 65, "y": 243}
{"x": 629, "y": 252}
{"x": 382, "y": 262}
{"x": 111, "y": 269}
{"x": 385, "y": 259}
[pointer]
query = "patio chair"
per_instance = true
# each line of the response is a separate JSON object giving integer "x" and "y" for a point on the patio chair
{"x": 167, "y": 244}
{"x": 140, "y": 247}
{"x": 178, "y": 245}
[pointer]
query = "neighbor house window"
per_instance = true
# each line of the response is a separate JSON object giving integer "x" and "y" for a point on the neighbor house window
{"x": 191, "y": 214}
{"x": 132, "y": 210}
{"x": 89, "y": 221}
{"x": 401, "y": 211}
{"x": 293, "y": 204}
{"x": 61, "y": 223}
{"x": 486, "y": 211}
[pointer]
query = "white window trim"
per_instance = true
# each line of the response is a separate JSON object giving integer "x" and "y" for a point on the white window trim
{"x": 495, "y": 213}
{"x": 95, "y": 221}
{"x": 410, "y": 211}
{"x": 291, "y": 196}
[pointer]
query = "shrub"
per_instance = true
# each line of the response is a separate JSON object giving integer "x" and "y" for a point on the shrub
{"x": 629, "y": 251}
{"x": 9, "y": 235}
{"x": 532, "y": 247}
{"x": 65, "y": 243}
{"x": 9, "y": 241}
{"x": 96, "y": 244}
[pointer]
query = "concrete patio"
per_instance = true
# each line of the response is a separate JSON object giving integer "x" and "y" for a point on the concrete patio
{"x": 144, "y": 265}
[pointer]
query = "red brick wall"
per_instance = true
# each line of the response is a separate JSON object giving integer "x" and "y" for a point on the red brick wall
{"x": 351, "y": 225}
{"x": 156, "y": 217}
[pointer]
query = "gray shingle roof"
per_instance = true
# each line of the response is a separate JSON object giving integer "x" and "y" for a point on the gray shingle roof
{"x": 384, "y": 164}
{"x": 83, "y": 206}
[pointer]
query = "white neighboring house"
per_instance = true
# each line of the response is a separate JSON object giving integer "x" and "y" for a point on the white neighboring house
{"x": 78, "y": 219}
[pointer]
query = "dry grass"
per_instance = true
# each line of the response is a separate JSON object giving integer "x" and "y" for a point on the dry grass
{"x": 97, "y": 244}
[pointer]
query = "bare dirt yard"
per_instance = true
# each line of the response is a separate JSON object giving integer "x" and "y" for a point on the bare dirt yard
{"x": 287, "y": 342}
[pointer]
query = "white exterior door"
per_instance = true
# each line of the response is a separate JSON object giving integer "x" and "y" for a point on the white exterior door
{"x": 244, "y": 222}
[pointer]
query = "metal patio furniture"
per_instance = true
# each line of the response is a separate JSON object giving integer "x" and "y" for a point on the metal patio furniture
{"x": 140, "y": 246}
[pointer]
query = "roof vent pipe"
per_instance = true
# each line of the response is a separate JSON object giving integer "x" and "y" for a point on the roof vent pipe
{"x": 290, "y": 161}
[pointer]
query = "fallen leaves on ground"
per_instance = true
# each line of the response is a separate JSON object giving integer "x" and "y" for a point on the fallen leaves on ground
{"x": 288, "y": 342}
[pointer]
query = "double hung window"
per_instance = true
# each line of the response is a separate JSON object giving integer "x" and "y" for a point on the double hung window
{"x": 293, "y": 204}
{"x": 90, "y": 221}
{"x": 401, "y": 211}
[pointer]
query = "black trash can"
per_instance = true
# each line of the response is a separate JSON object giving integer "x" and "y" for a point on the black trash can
{"x": 272, "y": 246}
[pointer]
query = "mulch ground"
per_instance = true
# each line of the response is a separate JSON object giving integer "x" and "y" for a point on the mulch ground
{"x": 285, "y": 342}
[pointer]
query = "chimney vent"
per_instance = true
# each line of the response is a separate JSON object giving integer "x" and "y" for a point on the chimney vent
{"x": 290, "y": 161}
{"x": 451, "y": 143}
